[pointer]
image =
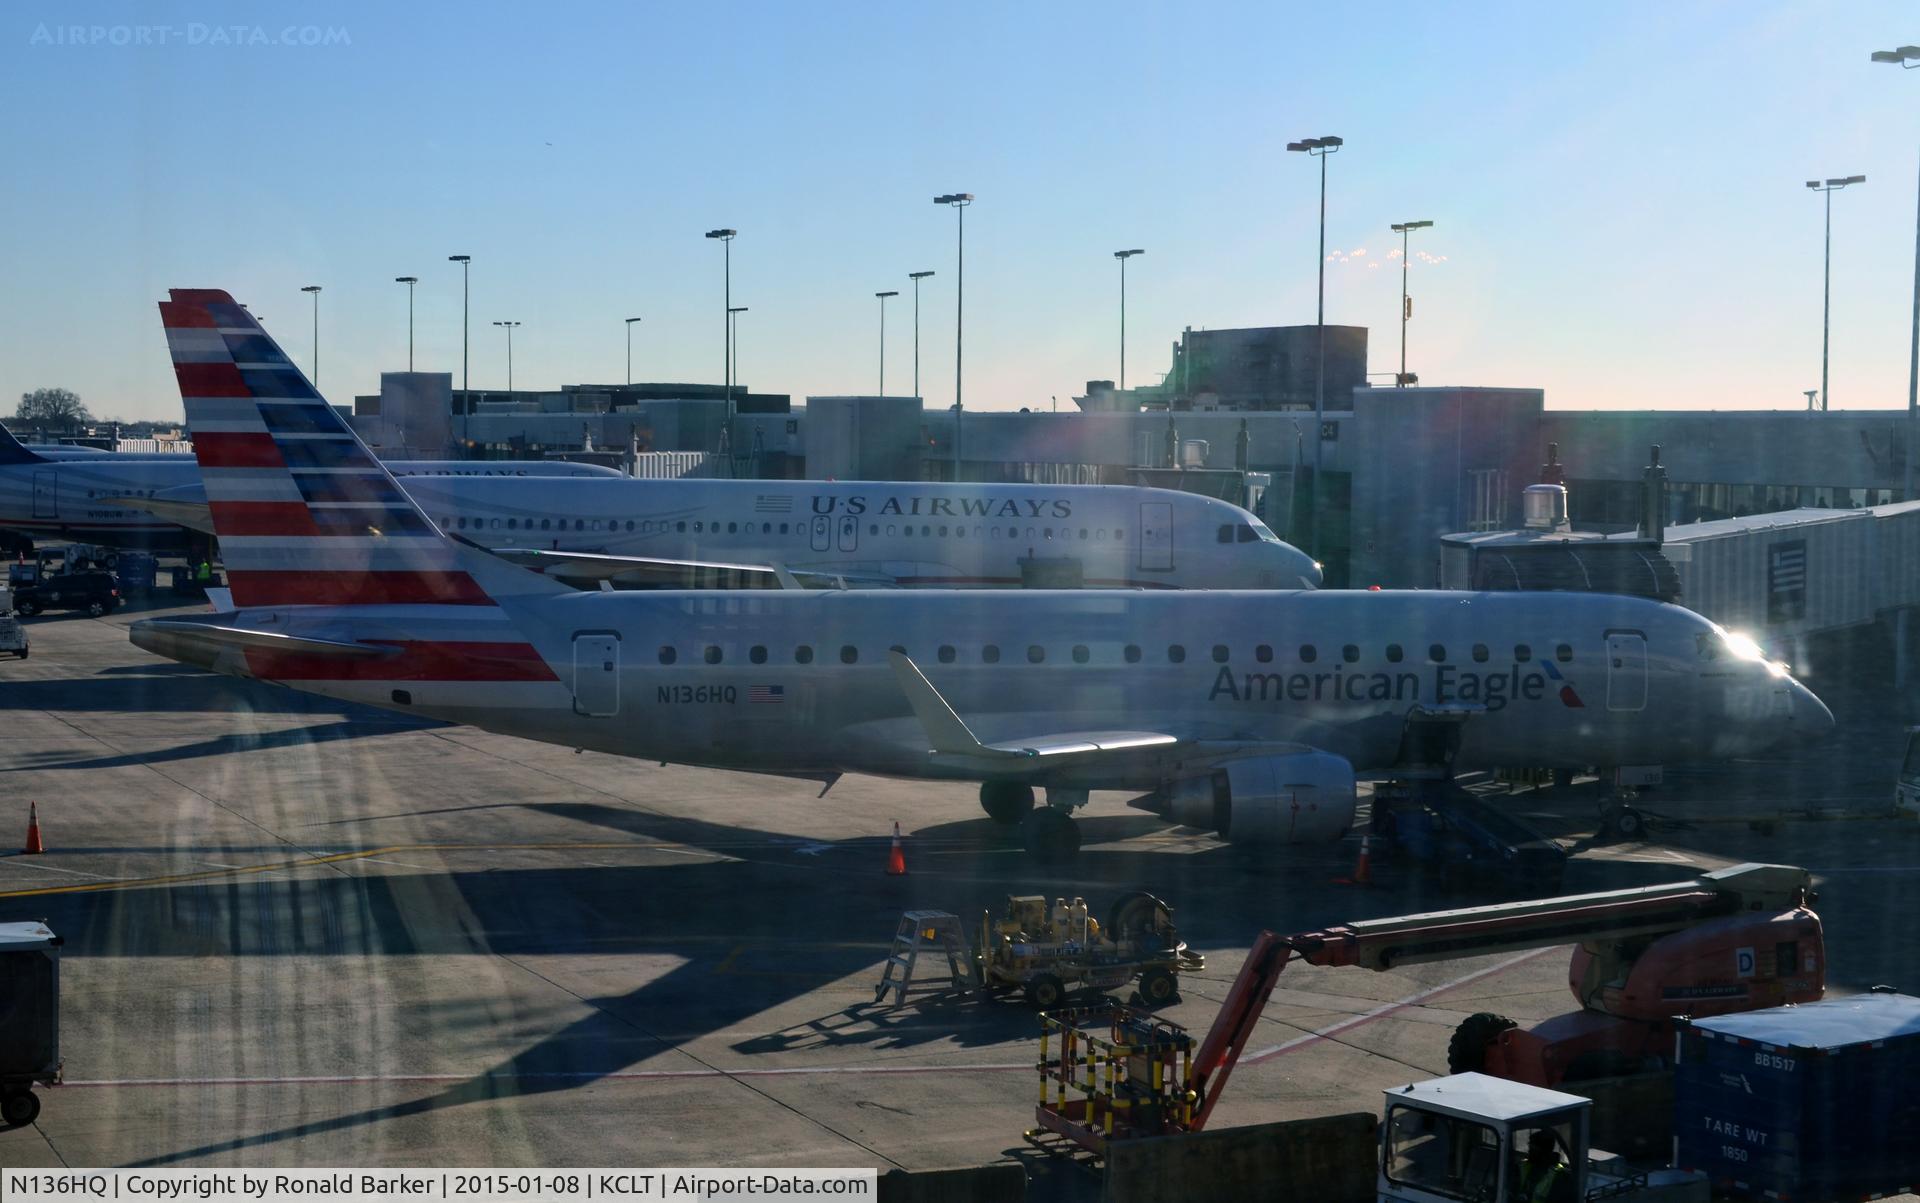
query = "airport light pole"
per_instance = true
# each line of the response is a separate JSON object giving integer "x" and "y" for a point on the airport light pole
{"x": 466, "y": 397}
{"x": 733, "y": 339}
{"x": 916, "y": 277}
{"x": 883, "y": 338}
{"x": 1908, "y": 57}
{"x": 1402, "y": 228}
{"x": 1319, "y": 148}
{"x": 725, "y": 238}
{"x": 315, "y": 290}
{"x": 409, "y": 281}
{"x": 1826, "y": 278}
{"x": 959, "y": 201}
{"x": 1123, "y": 256}
{"x": 630, "y": 322}
{"x": 509, "y": 328}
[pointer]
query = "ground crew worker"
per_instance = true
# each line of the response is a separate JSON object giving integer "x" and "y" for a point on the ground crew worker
{"x": 1544, "y": 1177}
{"x": 203, "y": 575}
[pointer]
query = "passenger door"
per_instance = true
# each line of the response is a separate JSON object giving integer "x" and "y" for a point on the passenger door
{"x": 1156, "y": 536}
{"x": 596, "y": 675}
{"x": 46, "y": 494}
{"x": 1626, "y": 670}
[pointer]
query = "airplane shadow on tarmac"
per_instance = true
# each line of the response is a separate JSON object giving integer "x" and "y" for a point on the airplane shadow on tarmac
{"x": 743, "y": 946}
{"x": 778, "y": 918}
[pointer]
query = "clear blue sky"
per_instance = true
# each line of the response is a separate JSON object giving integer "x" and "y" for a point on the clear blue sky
{"x": 1618, "y": 189}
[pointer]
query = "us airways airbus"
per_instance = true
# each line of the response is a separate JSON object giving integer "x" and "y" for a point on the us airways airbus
{"x": 665, "y": 532}
{"x": 1266, "y": 704}
{"x": 98, "y": 497}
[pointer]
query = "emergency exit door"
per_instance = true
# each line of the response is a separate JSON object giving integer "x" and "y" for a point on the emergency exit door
{"x": 1626, "y": 670}
{"x": 1156, "y": 536}
{"x": 849, "y": 533}
{"x": 596, "y": 675}
{"x": 820, "y": 534}
{"x": 45, "y": 495}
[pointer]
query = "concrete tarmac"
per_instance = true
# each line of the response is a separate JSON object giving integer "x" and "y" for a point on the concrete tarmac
{"x": 307, "y": 934}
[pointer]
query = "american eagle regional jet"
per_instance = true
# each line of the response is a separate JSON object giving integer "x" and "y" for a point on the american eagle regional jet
{"x": 1267, "y": 704}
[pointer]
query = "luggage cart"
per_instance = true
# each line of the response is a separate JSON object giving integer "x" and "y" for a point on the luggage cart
{"x": 29, "y": 1018}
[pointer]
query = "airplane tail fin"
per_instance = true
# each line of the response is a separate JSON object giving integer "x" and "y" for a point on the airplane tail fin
{"x": 12, "y": 451}
{"x": 305, "y": 514}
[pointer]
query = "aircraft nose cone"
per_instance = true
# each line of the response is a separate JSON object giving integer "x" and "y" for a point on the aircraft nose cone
{"x": 1307, "y": 571}
{"x": 1808, "y": 717}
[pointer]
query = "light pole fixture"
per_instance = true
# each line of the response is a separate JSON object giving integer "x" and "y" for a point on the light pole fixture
{"x": 1402, "y": 228}
{"x": 959, "y": 201}
{"x": 315, "y": 290}
{"x": 630, "y": 322}
{"x": 1123, "y": 256}
{"x": 1828, "y": 187}
{"x": 409, "y": 281}
{"x": 466, "y": 397}
{"x": 1908, "y": 57}
{"x": 509, "y": 328}
{"x": 1319, "y": 148}
{"x": 733, "y": 336}
{"x": 725, "y": 238}
{"x": 883, "y": 338}
{"x": 916, "y": 277}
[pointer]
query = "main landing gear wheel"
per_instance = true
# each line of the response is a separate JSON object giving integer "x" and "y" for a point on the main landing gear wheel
{"x": 1051, "y": 834}
{"x": 20, "y": 1108}
{"x": 1006, "y": 802}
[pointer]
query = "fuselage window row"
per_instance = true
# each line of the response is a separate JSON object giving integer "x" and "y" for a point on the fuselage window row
{"x": 797, "y": 530}
{"x": 1131, "y": 653}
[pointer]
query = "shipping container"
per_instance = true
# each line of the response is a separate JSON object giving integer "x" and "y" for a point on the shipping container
{"x": 1805, "y": 1103}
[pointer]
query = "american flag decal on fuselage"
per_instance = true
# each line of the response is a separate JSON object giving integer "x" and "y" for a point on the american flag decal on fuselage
{"x": 304, "y": 514}
{"x": 766, "y": 693}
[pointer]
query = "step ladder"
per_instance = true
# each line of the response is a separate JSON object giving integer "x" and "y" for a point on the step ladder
{"x": 924, "y": 930}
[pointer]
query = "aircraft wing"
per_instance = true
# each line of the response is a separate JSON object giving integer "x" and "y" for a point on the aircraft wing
{"x": 662, "y": 570}
{"x": 948, "y": 734}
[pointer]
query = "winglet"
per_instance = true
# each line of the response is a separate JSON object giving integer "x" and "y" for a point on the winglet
{"x": 12, "y": 451}
{"x": 945, "y": 730}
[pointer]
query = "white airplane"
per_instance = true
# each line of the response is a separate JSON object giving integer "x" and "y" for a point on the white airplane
{"x": 767, "y": 532}
{"x": 87, "y": 495}
{"x": 1265, "y": 705}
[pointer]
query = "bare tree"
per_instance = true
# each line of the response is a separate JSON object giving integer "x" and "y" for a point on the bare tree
{"x": 53, "y": 409}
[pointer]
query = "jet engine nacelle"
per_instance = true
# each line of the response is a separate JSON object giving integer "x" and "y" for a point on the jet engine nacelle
{"x": 1304, "y": 798}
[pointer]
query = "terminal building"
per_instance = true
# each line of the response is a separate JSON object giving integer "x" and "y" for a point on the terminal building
{"x": 1400, "y": 469}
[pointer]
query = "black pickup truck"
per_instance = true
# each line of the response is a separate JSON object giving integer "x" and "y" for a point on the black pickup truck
{"x": 94, "y": 592}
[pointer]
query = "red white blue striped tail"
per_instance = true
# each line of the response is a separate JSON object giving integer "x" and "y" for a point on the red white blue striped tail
{"x": 304, "y": 512}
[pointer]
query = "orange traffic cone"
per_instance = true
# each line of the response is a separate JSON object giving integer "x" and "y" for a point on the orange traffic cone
{"x": 34, "y": 846}
{"x": 896, "y": 856}
{"x": 1362, "y": 868}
